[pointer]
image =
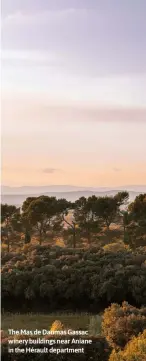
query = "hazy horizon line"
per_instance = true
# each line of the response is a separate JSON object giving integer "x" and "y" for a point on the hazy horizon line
{"x": 75, "y": 186}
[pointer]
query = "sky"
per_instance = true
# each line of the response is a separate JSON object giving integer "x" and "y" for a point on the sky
{"x": 73, "y": 92}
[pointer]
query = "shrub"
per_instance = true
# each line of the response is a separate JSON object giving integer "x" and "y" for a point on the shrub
{"x": 135, "y": 350}
{"x": 103, "y": 278}
{"x": 128, "y": 321}
{"x": 116, "y": 247}
{"x": 57, "y": 326}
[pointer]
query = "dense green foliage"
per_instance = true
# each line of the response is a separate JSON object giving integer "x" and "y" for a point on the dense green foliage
{"x": 72, "y": 279}
{"x": 7, "y": 211}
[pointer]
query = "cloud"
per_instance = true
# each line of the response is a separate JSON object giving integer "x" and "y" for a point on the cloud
{"x": 41, "y": 56}
{"x": 50, "y": 170}
{"x": 18, "y": 169}
{"x": 22, "y": 17}
{"x": 115, "y": 169}
{"x": 32, "y": 58}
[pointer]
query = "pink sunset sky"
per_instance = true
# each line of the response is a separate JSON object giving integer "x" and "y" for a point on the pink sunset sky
{"x": 73, "y": 92}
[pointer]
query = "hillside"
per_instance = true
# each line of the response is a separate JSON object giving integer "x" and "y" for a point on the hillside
{"x": 18, "y": 199}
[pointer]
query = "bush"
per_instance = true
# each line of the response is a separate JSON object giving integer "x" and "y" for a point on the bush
{"x": 104, "y": 278}
{"x": 128, "y": 321}
{"x": 116, "y": 247}
{"x": 135, "y": 350}
{"x": 57, "y": 326}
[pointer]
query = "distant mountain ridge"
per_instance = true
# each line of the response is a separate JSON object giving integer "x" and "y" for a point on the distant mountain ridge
{"x": 17, "y": 199}
{"x": 40, "y": 189}
{"x": 67, "y": 188}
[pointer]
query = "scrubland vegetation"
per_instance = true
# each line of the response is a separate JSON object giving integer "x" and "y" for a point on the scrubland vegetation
{"x": 87, "y": 258}
{"x": 53, "y": 278}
